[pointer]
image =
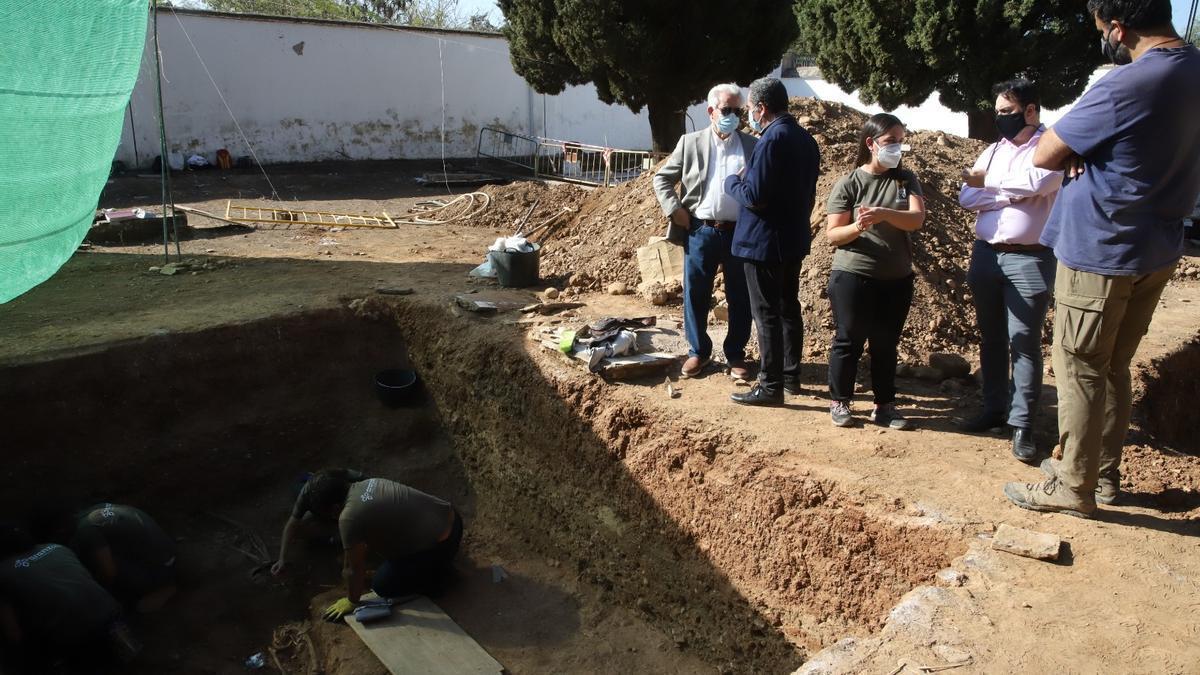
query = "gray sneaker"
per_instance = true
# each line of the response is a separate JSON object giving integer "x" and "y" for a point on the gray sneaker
{"x": 886, "y": 415}
{"x": 1108, "y": 490}
{"x": 839, "y": 413}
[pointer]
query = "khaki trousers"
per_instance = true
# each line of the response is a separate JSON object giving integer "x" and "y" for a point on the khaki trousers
{"x": 1099, "y": 322}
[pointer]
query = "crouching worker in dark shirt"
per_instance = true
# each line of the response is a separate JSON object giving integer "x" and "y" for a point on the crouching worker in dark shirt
{"x": 417, "y": 535}
{"x": 128, "y": 553}
{"x": 52, "y": 610}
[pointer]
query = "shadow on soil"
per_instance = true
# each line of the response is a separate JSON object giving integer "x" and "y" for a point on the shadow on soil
{"x": 224, "y": 419}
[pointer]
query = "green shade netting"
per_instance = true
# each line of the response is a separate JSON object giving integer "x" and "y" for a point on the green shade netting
{"x": 67, "y": 68}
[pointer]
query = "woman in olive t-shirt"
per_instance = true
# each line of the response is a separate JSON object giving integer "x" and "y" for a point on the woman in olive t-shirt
{"x": 872, "y": 211}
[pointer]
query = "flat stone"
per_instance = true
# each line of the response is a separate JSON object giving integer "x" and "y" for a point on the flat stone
{"x": 393, "y": 290}
{"x": 927, "y": 373}
{"x": 1026, "y": 543}
{"x": 949, "y": 577}
{"x": 951, "y": 365}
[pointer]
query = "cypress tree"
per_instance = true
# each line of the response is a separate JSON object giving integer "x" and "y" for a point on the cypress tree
{"x": 663, "y": 55}
{"x": 898, "y": 52}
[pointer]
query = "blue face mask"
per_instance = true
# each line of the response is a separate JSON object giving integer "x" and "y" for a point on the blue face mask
{"x": 755, "y": 124}
{"x": 727, "y": 124}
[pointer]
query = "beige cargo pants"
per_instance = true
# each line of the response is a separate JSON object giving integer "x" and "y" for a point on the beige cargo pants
{"x": 1098, "y": 323}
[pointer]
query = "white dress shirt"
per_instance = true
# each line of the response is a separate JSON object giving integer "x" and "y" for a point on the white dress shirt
{"x": 1016, "y": 196}
{"x": 725, "y": 158}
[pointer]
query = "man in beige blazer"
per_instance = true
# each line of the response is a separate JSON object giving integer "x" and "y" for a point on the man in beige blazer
{"x": 699, "y": 165}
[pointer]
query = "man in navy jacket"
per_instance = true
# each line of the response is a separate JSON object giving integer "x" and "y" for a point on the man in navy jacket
{"x": 776, "y": 193}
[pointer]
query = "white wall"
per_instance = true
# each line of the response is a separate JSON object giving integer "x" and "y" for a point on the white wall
{"x": 930, "y": 115}
{"x": 353, "y": 92}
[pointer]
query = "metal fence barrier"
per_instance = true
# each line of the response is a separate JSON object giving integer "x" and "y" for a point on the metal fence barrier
{"x": 565, "y": 160}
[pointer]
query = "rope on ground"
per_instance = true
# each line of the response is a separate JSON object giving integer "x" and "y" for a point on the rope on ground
{"x": 287, "y": 640}
{"x": 441, "y": 212}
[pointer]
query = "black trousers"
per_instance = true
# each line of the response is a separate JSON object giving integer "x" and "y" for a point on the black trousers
{"x": 774, "y": 290}
{"x": 866, "y": 309}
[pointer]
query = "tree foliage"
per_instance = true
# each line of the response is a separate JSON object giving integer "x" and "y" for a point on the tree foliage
{"x": 659, "y": 54}
{"x": 898, "y": 52}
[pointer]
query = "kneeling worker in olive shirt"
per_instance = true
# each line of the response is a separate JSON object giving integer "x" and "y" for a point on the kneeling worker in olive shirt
{"x": 51, "y": 607}
{"x": 415, "y": 533}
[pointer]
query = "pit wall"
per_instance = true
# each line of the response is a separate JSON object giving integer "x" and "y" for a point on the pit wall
{"x": 201, "y": 420}
{"x": 711, "y": 543}
{"x": 1170, "y": 389}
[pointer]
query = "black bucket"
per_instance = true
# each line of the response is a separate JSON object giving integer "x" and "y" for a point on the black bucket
{"x": 516, "y": 270}
{"x": 398, "y": 388}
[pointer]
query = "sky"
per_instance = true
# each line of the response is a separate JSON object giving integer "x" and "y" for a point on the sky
{"x": 469, "y": 7}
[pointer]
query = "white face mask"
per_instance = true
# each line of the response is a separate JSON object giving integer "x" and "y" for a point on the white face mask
{"x": 889, "y": 155}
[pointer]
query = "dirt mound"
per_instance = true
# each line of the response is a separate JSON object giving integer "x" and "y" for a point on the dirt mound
{"x": 510, "y": 204}
{"x": 602, "y": 239}
{"x": 613, "y": 223}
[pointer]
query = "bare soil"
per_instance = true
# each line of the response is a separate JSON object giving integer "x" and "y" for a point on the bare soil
{"x": 641, "y": 532}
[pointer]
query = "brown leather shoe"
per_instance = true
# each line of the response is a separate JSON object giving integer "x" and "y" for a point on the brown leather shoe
{"x": 694, "y": 366}
{"x": 739, "y": 370}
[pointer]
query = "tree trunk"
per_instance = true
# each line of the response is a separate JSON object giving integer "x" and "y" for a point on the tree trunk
{"x": 981, "y": 124}
{"x": 666, "y": 126}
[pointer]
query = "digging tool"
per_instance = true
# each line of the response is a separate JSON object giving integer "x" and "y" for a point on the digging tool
{"x": 521, "y": 222}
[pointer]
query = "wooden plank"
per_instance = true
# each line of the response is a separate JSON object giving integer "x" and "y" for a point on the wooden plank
{"x": 420, "y": 639}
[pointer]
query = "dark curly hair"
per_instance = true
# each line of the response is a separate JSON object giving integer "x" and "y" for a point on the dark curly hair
{"x": 327, "y": 489}
{"x": 1136, "y": 14}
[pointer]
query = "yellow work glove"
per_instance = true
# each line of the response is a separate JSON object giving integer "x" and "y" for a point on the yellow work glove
{"x": 339, "y": 609}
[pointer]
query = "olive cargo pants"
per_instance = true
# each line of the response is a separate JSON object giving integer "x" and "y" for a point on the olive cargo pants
{"x": 1099, "y": 322}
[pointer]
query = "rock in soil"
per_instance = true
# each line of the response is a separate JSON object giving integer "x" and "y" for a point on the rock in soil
{"x": 1027, "y": 543}
{"x": 951, "y": 365}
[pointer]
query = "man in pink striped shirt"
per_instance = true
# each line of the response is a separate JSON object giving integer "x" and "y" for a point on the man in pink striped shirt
{"x": 1011, "y": 274}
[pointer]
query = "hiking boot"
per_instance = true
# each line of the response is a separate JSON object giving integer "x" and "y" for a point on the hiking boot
{"x": 886, "y": 415}
{"x": 984, "y": 421}
{"x": 1023, "y": 447}
{"x": 791, "y": 385}
{"x": 758, "y": 396}
{"x": 1050, "y": 496}
{"x": 694, "y": 366}
{"x": 839, "y": 414}
{"x": 1107, "y": 491}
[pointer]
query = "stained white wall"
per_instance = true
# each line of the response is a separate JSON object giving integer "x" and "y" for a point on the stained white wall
{"x": 310, "y": 91}
{"x": 349, "y": 92}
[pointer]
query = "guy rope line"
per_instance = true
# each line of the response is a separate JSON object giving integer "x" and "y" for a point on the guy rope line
{"x": 274, "y": 194}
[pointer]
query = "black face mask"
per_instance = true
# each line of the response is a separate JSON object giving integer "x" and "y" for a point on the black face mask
{"x": 1011, "y": 124}
{"x": 1118, "y": 53}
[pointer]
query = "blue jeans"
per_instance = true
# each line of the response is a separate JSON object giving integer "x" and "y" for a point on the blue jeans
{"x": 706, "y": 248}
{"x": 1012, "y": 292}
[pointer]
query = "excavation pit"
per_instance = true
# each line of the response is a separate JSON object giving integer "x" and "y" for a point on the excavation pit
{"x": 632, "y": 542}
{"x": 1171, "y": 391}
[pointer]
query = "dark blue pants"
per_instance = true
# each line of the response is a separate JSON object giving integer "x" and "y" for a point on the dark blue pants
{"x": 1012, "y": 292}
{"x": 706, "y": 248}
{"x": 774, "y": 290}
{"x": 422, "y": 572}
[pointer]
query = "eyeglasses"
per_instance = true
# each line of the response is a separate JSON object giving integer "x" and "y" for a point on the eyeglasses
{"x": 730, "y": 111}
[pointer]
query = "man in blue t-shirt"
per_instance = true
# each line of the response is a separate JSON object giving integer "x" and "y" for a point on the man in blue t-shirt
{"x": 1129, "y": 148}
